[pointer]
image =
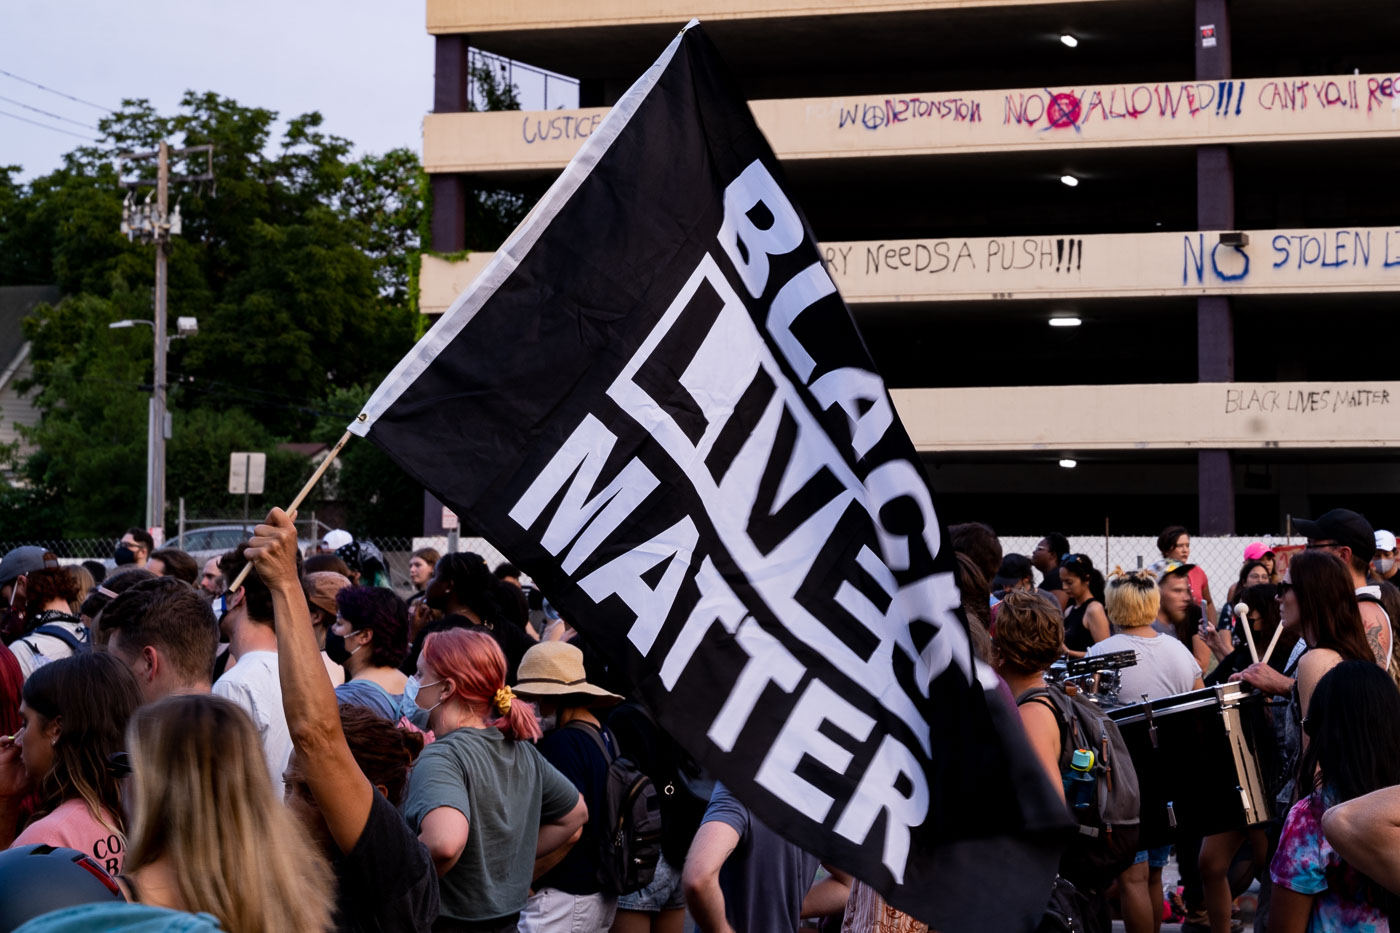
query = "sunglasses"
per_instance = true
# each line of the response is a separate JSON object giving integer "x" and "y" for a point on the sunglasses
{"x": 1074, "y": 559}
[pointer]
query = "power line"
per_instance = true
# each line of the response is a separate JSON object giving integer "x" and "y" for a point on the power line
{"x": 47, "y": 113}
{"x": 44, "y": 87}
{"x": 56, "y": 129}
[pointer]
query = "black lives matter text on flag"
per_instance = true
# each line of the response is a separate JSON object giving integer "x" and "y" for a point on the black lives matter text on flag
{"x": 655, "y": 401}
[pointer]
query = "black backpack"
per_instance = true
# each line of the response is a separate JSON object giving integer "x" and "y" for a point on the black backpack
{"x": 1108, "y": 827}
{"x": 630, "y": 846}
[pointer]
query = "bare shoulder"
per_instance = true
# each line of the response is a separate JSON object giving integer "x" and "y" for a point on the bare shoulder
{"x": 1317, "y": 662}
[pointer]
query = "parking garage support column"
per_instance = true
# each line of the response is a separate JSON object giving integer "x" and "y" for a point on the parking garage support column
{"x": 450, "y": 80}
{"x": 448, "y": 230}
{"x": 1215, "y": 210}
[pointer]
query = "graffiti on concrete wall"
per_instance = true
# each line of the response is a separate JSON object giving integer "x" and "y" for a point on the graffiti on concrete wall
{"x": 1065, "y": 255}
{"x": 1074, "y": 109}
{"x": 1303, "y": 401}
{"x": 1205, "y": 260}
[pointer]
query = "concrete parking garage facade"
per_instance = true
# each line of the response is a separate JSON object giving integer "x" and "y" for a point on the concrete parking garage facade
{"x": 1231, "y": 246}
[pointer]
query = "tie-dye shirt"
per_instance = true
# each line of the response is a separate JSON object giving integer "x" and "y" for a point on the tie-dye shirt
{"x": 1307, "y": 864}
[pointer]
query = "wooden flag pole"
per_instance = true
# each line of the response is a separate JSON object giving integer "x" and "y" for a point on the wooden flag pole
{"x": 305, "y": 490}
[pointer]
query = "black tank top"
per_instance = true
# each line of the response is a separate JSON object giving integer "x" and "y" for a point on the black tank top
{"x": 1077, "y": 636}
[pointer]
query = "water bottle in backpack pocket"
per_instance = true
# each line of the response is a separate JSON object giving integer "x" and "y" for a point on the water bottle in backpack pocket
{"x": 1101, "y": 787}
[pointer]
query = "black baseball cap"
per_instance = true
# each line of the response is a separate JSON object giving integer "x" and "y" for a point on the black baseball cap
{"x": 1344, "y": 526}
{"x": 1014, "y": 569}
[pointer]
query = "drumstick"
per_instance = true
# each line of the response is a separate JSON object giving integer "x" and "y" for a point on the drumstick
{"x": 1242, "y": 614}
{"x": 1272, "y": 641}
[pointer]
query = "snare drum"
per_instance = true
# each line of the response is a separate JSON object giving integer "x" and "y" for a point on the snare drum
{"x": 1202, "y": 760}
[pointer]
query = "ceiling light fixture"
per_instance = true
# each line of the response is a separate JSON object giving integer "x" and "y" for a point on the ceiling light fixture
{"x": 1065, "y": 322}
{"x": 1069, "y": 40}
{"x": 1069, "y": 464}
{"x": 1069, "y": 180}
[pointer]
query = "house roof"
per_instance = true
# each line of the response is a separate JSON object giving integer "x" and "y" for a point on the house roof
{"x": 309, "y": 449}
{"x": 16, "y": 303}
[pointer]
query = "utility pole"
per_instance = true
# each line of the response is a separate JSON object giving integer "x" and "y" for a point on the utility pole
{"x": 157, "y": 226}
{"x": 155, "y": 444}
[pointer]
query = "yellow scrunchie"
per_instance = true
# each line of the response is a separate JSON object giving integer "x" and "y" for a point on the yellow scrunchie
{"x": 504, "y": 696}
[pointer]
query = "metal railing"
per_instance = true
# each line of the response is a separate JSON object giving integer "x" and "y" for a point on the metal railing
{"x": 535, "y": 79}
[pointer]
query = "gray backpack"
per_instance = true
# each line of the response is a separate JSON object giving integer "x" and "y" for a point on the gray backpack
{"x": 630, "y": 847}
{"x": 1108, "y": 826}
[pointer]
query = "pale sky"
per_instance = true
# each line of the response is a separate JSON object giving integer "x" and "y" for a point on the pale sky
{"x": 366, "y": 65}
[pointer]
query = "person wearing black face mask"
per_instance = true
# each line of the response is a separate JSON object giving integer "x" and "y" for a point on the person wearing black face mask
{"x": 134, "y": 549}
{"x": 370, "y": 639}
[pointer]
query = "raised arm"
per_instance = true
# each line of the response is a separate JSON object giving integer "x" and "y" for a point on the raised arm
{"x": 341, "y": 790}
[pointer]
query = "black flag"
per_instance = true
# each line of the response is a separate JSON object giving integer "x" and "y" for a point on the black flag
{"x": 655, "y": 402}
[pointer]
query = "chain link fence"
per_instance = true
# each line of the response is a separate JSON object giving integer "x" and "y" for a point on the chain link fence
{"x": 205, "y": 543}
{"x": 1220, "y": 557}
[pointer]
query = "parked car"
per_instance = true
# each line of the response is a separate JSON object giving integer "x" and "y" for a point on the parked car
{"x": 211, "y": 541}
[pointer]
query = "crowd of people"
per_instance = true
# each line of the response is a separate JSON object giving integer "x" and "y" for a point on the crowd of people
{"x": 311, "y": 751}
{"x": 1330, "y": 728}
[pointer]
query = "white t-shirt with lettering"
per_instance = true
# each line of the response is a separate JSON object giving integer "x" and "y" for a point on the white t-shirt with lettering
{"x": 1165, "y": 666}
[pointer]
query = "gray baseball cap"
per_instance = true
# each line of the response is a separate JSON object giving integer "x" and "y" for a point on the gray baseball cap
{"x": 23, "y": 560}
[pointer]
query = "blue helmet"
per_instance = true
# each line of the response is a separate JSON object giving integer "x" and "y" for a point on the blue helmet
{"x": 38, "y": 879}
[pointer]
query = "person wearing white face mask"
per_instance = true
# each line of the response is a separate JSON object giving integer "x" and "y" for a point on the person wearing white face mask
{"x": 490, "y": 809}
{"x": 370, "y": 640}
{"x": 1384, "y": 564}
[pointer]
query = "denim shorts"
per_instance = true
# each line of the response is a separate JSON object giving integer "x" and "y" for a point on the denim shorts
{"x": 1155, "y": 858}
{"x": 664, "y": 892}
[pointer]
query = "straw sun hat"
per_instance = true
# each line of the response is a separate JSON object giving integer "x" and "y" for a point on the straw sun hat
{"x": 555, "y": 669}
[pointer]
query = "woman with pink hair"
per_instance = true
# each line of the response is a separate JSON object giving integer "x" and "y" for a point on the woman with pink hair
{"x": 493, "y": 813}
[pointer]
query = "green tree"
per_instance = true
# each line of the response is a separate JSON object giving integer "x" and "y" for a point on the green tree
{"x": 296, "y": 261}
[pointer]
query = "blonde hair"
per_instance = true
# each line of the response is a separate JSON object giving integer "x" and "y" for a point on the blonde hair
{"x": 201, "y": 798}
{"x": 1132, "y": 599}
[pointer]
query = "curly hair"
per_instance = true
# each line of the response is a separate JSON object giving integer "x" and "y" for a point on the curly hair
{"x": 383, "y": 751}
{"x": 1030, "y": 633}
{"x": 382, "y": 612}
{"x": 476, "y": 587}
{"x": 51, "y": 583}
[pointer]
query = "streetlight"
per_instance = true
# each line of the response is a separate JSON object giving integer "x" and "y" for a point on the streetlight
{"x": 157, "y": 418}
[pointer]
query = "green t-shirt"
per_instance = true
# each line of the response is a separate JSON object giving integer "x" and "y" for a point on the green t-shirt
{"x": 505, "y": 789}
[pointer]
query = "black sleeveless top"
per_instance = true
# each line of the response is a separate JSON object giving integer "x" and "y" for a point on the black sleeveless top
{"x": 1077, "y": 635}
